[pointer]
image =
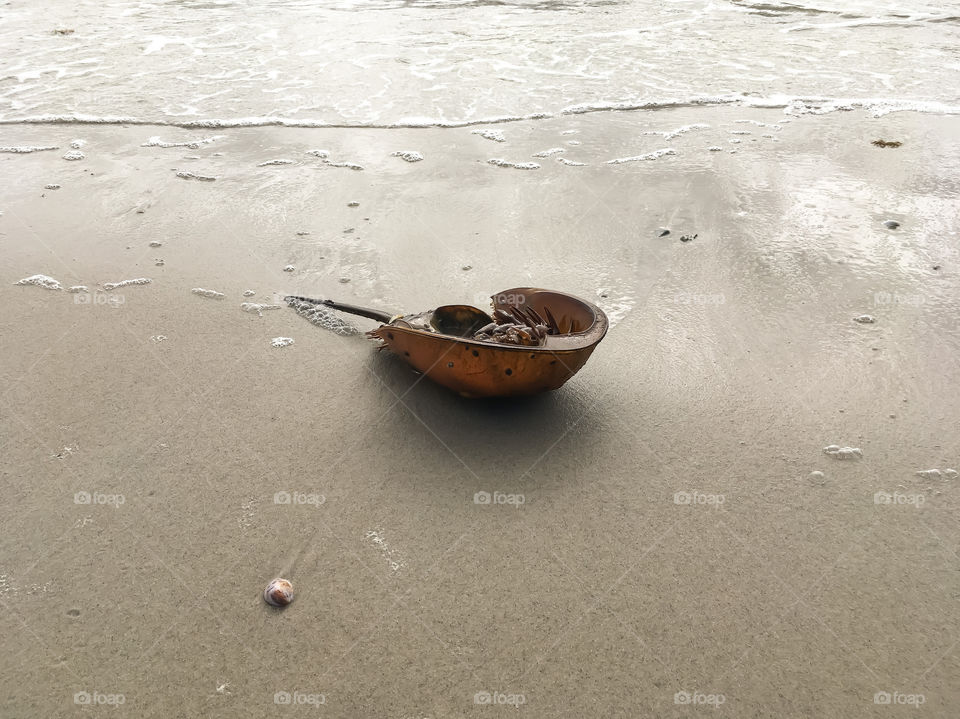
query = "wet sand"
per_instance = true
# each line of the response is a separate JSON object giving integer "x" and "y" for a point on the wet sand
{"x": 659, "y": 548}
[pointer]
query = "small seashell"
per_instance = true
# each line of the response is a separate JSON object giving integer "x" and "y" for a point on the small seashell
{"x": 891, "y": 224}
{"x": 865, "y": 319}
{"x": 279, "y": 593}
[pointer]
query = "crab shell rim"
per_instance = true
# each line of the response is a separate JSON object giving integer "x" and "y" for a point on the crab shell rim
{"x": 480, "y": 368}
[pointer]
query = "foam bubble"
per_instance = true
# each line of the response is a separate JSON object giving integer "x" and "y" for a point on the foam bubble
{"x": 26, "y": 149}
{"x": 408, "y": 155}
{"x": 548, "y": 153}
{"x": 494, "y": 135}
{"x": 350, "y": 165}
{"x": 322, "y": 316}
{"x": 255, "y": 308}
{"x": 48, "y": 283}
{"x": 74, "y": 155}
{"x": 184, "y": 175}
{"x": 281, "y": 341}
{"x": 656, "y": 154}
{"x": 515, "y": 165}
{"x": 838, "y": 452}
{"x": 126, "y": 283}
{"x": 683, "y": 130}
{"x": 189, "y": 144}
{"x": 212, "y": 294}
{"x": 268, "y": 163}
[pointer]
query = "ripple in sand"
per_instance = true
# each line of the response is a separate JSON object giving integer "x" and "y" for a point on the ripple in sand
{"x": 408, "y": 155}
{"x": 515, "y": 165}
{"x": 656, "y": 154}
{"x": 26, "y": 149}
{"x": 494, "y": 135}
{"x": 126, "y": 283}
{"x": 48, "y": 283}
{"x": 212, "y": 294}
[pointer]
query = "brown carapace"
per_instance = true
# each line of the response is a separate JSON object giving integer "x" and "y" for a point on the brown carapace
{"x": 534, "y": 341}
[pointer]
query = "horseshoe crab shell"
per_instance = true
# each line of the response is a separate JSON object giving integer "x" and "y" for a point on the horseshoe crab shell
{"x": 484, "y": 368}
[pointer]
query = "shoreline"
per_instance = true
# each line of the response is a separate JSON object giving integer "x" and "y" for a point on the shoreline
{"x": 732, "y": 361}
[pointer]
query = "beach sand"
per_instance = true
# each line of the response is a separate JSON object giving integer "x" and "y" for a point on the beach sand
{"x": 657, "y": 546}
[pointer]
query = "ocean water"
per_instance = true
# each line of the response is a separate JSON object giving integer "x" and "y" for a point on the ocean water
{"x": 458, "y": 62}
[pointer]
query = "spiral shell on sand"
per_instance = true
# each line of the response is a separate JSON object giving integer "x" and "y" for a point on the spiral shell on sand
{"x": 279, "y": 593}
